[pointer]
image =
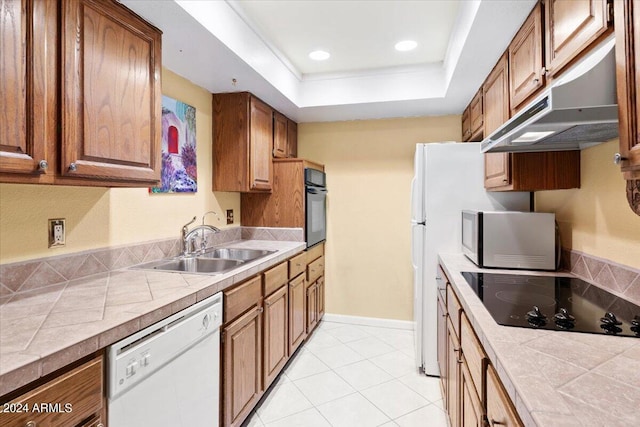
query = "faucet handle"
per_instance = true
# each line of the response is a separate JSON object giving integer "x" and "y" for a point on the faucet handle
{"x": 185, "y": 228}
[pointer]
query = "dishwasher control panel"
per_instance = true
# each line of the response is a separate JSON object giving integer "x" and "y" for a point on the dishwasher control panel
{"x": 142, "y": 353}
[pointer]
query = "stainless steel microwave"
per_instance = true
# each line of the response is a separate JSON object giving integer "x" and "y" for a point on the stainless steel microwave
{"x": 507, "y": 239}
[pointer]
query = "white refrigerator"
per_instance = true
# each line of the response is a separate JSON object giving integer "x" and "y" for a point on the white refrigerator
{"x": 449, "y": 177}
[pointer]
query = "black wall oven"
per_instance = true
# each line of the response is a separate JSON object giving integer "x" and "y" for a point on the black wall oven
{"x": 315, "y": 206}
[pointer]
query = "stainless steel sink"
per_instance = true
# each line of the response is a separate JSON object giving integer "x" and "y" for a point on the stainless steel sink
{"x": 193, "y": 265}
{"x": 236, "y": 254}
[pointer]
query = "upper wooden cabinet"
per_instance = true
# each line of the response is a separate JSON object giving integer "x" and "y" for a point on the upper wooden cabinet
{"x": 526, "y": 60}
{"x": 280, "y": 135}
{"x": 628, "y": 80}
{"x": 292, "y": 139}
{"x": 466, "y": 124}
{"x": 108, "y": 111}
{"x": 495, "y": 95}
{"x": 111, "y": 93}
{"x": 476, "y": 116}
{"x": 285, "y": 137}
{"x": 571, "y": 27}
{"x": 26, "y": 145}
{"x": 242, "y": 143}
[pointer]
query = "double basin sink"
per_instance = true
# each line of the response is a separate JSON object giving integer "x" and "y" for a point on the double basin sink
{"x": 216, "y": 261}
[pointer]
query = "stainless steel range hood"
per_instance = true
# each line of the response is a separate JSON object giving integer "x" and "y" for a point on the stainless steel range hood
{"x": 579, "y": 110}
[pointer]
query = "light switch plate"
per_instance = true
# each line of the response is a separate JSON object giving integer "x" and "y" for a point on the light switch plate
{"x": 57, "y": 232}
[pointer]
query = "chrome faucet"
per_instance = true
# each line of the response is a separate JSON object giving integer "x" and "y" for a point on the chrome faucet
{"x": 188, "y": 237}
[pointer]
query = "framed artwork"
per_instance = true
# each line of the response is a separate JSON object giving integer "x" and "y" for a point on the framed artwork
{"x": 179, "y": 170}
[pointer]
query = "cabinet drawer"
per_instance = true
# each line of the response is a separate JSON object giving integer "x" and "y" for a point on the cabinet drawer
{"x": 275, "y": 278}
{"x": 241, "y": 298}
{"x": 81, "y": 389}
{"x": 315, "y": 252}
{"x": 297, "y": 265}
{"x": 454, "y": 309}
{"x": 473, "y": 354}
{"x": 315, "y": 269}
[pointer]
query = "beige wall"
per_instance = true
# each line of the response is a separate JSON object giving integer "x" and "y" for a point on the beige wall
{"x": 596, "y": 219}
{"x": 100, "y": 217}
{"x": 369, "y": 167}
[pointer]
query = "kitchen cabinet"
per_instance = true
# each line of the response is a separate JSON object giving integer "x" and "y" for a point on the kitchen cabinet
{"x": 571, "y": 27}
{"x": 312, "y": 307}
{"x": 466, "y": 124}
{"x": 26, "y": 145}
{"x": 292, "y": 139}
{"x": 276, "y": 321}
{"x": 280, "y": 135}
{"x": 473, "y": 393}
{"x": 297, "y": 310}
{"x": 521, "y": 171}
{"x": 56, "y": 78}
{"x": 500, "y": 410}
{"x": 495, "y": 95}
{"x": 627, "y": 29}
{"x": 526, "y": 58}
{"x": 315, "y": 286}
{"x": 242, "y": 143}
{"x": 79, "y": 392}
{"x": 476, "y": 117}
{"x": 242, "y": 351}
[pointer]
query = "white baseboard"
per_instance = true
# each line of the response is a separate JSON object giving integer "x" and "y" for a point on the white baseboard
{"x": 368, "y": 321}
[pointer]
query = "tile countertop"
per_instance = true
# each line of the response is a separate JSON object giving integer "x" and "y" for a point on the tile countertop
{"x": 555, "y": 378}
{"x": 49, "y": 330}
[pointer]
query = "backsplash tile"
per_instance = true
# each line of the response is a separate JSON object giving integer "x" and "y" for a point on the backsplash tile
{"x": 26, "y": 278}
{"x": 618, "y": 279}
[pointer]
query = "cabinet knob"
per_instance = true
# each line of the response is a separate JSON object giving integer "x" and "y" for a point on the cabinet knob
{"x": 505, "y": 180}
{"x": 536, "y": 80}
{"x": 73, "y": 167}
{"x": 617, "y": 158}
{"x": 30, "y": 424}
{"x": 496, "y": 423}
{"x": 544, "y": 71}
{"x": 43, "y": 165}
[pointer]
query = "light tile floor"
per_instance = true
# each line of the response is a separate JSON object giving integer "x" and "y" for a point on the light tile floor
{"x": 353, "y": 376}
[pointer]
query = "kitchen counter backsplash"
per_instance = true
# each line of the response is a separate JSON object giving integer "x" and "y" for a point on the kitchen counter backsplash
{"x": 618, "y": 279}
{"x": 28, "y": 278}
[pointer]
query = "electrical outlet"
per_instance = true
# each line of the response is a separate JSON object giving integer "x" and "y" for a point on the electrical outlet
{"x": 56, "y": 232}
{"x": 229, "y": 216}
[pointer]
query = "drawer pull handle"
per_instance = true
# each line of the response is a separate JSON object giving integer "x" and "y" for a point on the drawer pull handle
{"x": 496, "y": 423}
{"x": 30, "y": 424}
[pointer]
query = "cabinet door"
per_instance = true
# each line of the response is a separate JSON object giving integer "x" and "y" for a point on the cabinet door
{"x": 279, "y": 135}
{"x": 111, "y": 93}
{"x": 471, "y": 412}
{"x": 466, "y": 124}
{"x": 320, "y": 297}
{"x": 500, "y": 410}
{"x": 242, "y": 366}
{"x": 442, "y": 345}
{"x": 276, "y": 325}
{"x": 628, "y": 81}
{"x": 453, "y": 374}
{"x": 525, "y": 60}
{"x": 476, "y": 116}
{"x": 292, "y": 139}
{"x": 28, "y": 87}
{"x": 260, "y": 141}
{"x": 571, "y": 27}
{"x": 312, "y": 307}
{"x": 495, "y": 94}
{"x": 297, "y": 314}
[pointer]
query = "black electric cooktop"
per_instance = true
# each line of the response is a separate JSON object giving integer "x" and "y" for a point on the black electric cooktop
{"x": 555, "y": 303}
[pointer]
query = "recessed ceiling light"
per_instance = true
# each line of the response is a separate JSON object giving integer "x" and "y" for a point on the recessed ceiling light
{"x": 319, "y": 55}
{"x": 406, "y": 45}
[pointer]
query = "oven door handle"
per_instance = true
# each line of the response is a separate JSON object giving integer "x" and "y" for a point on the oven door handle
{"x": 316, "y": 190}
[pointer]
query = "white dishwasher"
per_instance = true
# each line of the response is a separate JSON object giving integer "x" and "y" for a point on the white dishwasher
{"x": 169, "y": 373}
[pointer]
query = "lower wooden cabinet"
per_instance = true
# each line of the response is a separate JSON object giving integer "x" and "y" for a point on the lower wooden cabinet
{"x": 79, "y": 394}
{"x": 500, "y": 411}
{"x": 320, "y": 296}
{"x": 242, "y": 366}
{"x": 276, "y": 339}
{"x": 312, "y": 307}
{"x": 473, "y": 394}
{"x": 297, "y": 310}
